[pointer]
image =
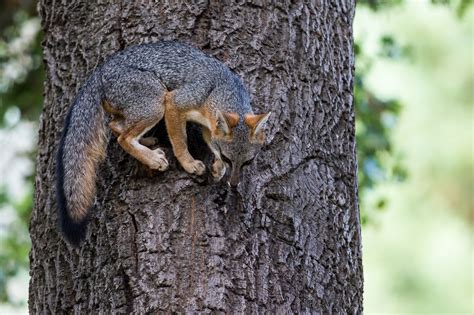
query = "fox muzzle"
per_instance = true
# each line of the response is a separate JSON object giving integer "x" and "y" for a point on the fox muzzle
{"x": 234, "y": 179}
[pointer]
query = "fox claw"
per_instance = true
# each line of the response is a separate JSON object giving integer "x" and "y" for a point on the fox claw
{"x": 218, "y": 170}
{"x": 195, "y": 167}
{"x": 159, "y": 161}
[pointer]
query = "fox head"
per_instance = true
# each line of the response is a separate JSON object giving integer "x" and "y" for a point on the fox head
{"x": 238, "y": 141}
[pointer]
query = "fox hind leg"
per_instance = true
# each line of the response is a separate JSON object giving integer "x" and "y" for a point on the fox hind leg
{"x": 135, "y": 98}
{"x": 129, "y": 140}
{"x": 136, "y": 101}
{"x": 129, "y": 133}
{"x": 117, "y": 128}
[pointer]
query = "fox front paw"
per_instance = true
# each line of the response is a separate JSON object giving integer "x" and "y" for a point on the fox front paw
{"x": 159, "y": 161}
{"x": 218, "y": 170}
{"x": 195, "y": 167}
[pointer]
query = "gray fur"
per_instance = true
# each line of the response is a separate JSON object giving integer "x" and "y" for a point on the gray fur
{"x": 181, "y": 67}
{"x": 135, "y": 73}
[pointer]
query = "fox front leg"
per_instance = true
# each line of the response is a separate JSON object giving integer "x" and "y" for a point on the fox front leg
{"x": 218, "y": 167}
{"x": 176, "y": 127}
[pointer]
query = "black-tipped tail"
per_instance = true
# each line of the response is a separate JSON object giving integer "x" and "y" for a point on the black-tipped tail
{"x": 73, "y": 231}
{"x": 81, "y": 149}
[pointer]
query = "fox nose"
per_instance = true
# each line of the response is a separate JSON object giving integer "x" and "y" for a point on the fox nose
{"x": 234, "y": 179}
{"x": 233, "y": 184}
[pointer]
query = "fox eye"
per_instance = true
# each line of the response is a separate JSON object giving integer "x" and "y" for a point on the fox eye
{"x": 226, "y": 159}
{"x": 248, "y": 162}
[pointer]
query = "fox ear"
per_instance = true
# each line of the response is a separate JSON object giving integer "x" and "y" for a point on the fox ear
{"x": 226, "y": 122}
{"x": 232, "y": 119}
{"x": 256, "y": 124}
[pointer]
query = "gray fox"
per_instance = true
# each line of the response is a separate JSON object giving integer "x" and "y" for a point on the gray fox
{"x": 131, "y": 92}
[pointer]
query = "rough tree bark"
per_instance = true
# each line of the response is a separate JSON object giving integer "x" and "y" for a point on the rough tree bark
{"x": 169, "y": 242}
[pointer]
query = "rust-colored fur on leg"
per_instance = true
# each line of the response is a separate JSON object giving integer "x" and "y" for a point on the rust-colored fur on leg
{"x": 130, "y": 139}
{"x": 176, "y": 126}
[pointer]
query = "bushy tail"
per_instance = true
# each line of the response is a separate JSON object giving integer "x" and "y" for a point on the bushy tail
{"x": 81, "y": 149}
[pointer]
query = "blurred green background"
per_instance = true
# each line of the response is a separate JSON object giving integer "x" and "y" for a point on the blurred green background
{"x": 414, "y": 106}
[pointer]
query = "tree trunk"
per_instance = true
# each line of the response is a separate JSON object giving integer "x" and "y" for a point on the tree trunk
{"x": 288, "y": 242}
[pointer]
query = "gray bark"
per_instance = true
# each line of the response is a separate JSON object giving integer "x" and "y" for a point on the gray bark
{"x": 289, "y": 243}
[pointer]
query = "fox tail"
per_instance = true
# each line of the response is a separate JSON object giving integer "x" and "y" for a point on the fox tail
{"x": 81, "y": 149}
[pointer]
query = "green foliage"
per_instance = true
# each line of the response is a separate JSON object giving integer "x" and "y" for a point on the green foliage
{"x": 377, "y": 4}
{"x": 461, "y": 6}
{"x": 21, "y": 84}
{"x": 376, "y": 119}
{"x": 14, "y": 241}
{"x": 379, "y": 161}
{"x": 428, "y": 220}
{"x": 21, "y": 67}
